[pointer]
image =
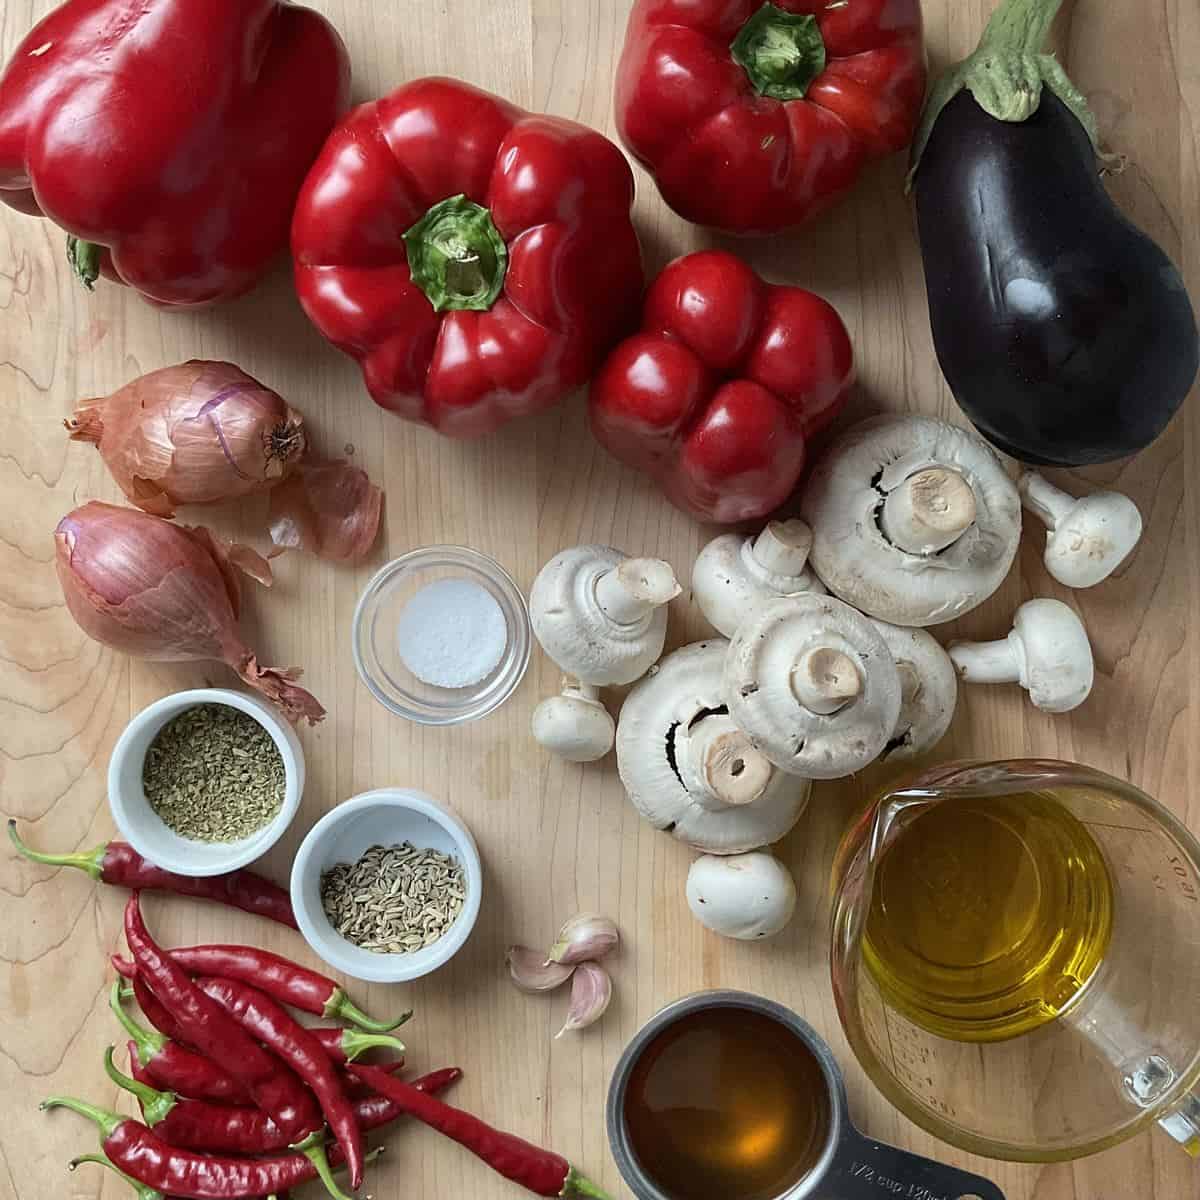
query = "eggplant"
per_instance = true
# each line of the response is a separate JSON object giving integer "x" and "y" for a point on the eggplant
{"x": 1064, "y": 331}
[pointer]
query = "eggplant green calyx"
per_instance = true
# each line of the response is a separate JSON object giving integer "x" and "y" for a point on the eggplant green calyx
{"x": 90, "y": 861}
{"x": 339, "y": 1007}
{"x": 456, "y": 256}
{"x": 84, "y": 258}
{"x": 781, "y": 52}
{"x": 1006, "y": 74}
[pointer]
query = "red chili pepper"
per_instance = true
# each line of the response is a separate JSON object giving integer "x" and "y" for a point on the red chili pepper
{"x": 199, "y": 1125}
{"x": 718, "y": 396}
{"x": 754, "y": 117}
{"x": 204, "y": 1024}
{"x": 477, "y": 260}
{"x": 282, "y": 980}
{"x": 172, "y": 136}
{"x": 539, "y": 1171}
{"x": 170, "y": 1065}
{"x": 144, "y": 1192}
{"x": 135, "y": 1151}
{"x": 120, "y": 865}
{"x": 270, "y": 1024}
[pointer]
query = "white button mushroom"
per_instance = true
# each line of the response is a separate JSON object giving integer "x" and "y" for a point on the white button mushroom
{"x": 914, "y": 521}
{"x": 601, "y": 616}
{"x": 1047, "y": 653}
{"x": 928, "y": 691}
{"x": 745, "y": 896}
{"x": 690, "y": 771}
{"x": 574, "y": 724}
{"x": 814, "y": 685}
{"x": 1089, "y": 537}
{"x": 735, "y": 574}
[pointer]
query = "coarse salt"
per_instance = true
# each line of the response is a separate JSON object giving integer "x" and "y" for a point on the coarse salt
{"x": 452, "y": 634}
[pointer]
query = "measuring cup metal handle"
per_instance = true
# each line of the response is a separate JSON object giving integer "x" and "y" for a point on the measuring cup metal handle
{"x": 864, "y": 1169}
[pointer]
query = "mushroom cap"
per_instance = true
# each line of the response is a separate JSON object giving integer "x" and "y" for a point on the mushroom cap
{"x": 1095, "y": 537}
{"x": 761, "y": 688}
{"x": 744, "y": 896}
{"x": 576, "y": 633}
{"x": 928, "y": 691}
{"x": 684, "y": 690}
{"x": 1055, "y": 655}
{"x": 574, "y": 727}
{"x": 843, "y": 502}
{"x": 729, "y": 583}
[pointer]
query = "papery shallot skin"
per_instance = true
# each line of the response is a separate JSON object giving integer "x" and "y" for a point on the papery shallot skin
{"x": 197, "y": 433}
{"x": 166, "y": 593}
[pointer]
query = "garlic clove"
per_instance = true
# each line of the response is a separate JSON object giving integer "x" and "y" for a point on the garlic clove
{"x": 531, "y": 973}
{"x": 583, "y": 938}
{"x": 591, "y": 992}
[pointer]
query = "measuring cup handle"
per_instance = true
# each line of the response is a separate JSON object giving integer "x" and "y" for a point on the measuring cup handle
{"x": 864, "y": 1169}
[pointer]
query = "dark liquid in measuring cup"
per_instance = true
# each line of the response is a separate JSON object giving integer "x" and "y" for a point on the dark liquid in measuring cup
{"x": 727, "y": 1104}
{"x": 988, "y": 916}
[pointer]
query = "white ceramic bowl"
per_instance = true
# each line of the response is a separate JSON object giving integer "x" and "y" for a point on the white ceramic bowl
{"x": 384, "y": 817}
{"x": 145, "y": 830}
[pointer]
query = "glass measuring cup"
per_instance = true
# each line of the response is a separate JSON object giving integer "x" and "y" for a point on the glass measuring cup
{"x": 840, "y": 1163}
{"x": 1098, "y": 1063}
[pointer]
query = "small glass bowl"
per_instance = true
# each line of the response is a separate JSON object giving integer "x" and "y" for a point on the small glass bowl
{"x": 377, "y": 652}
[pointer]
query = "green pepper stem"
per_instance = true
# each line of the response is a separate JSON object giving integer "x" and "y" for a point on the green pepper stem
{"x": 781, "y": 52}
{"x": 1006, "y": 74}
{"x": 84, "y": 258}
{"x": 313, "y": 1148}
{"x": 356, "y": 1042}
{"x": 339, "y": 1007}
{"x": 580, "y": 1185}
{"x": 155, "y": 1105}
{"x": 144, "y": 1191}
{"x": 456, "y": 256}
{"x": 86, "y": 860}
{"x": 149, "y": 1042}
{"x": 106, "y": 1120}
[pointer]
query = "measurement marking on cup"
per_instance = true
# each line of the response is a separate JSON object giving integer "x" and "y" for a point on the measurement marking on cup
{"x": 894, "y": 1187}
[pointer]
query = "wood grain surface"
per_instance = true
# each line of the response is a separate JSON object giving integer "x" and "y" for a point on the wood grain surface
{"x": 555, "y": 838}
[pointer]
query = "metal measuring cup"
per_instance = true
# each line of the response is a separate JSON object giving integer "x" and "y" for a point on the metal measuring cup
{"x": 850, "y": 1166}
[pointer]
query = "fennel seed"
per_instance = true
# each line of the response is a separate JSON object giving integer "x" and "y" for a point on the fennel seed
{"x": 214, "y": 774}
{"x": 394, "y": 899}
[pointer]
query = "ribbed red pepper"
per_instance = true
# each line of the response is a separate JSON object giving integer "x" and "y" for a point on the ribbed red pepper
{"x": 477, "y": 260}
{"x": 170, "y": 138}
{"x": 753, "y": 117}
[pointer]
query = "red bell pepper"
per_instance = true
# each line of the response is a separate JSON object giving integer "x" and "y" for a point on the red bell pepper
{"x": 169, "y": 137}
{"x": 477, "y": 261}
{"x": 720, "y": 393}
{"x": 754, "y": 117}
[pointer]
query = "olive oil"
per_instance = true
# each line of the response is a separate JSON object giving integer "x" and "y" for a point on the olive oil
{"x": 988, "y": 916}
{"x": 728, "y": 1103}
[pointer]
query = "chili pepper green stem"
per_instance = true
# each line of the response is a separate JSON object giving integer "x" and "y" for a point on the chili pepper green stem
{"x": 155, "y": 1105}
{"x": 84, "y": 258}
{"x": 313, "y": 1148}
{"x": 456, "y": 256}
{"x": 576, "y": 1184}
{"x": 340, "y": 1007}
{"x": 355, "y": 1042}
{"x": 144, "y": 1191}
{"x": 86, "y": 860}
{"x": 149, "y": 1042}
{"x": 1006, "y": 74}
{"x": 106, "y": 1120}
{"x": 781, "y": 52}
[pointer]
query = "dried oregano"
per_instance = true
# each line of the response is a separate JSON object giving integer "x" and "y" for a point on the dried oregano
{"x": 214, "y": 774}
{"x": 395, "y": 899}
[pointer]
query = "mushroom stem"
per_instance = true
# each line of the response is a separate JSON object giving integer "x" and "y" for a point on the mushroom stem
{"x": 782, "y": 548}
{"x": 929, "y": 511}
{"x": 719, "y": 766}
{"x": 636, "y": 587}
{"x": 987, "y": 662}
{"x": 825, "y": 680}
{"x": 1047, "y": 502}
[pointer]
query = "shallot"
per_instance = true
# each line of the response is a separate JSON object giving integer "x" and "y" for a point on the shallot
{"x": 167, "y": 593}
